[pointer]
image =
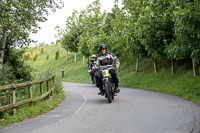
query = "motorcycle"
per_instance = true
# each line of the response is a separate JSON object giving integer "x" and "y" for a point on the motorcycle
{"x": 108, "y": 84}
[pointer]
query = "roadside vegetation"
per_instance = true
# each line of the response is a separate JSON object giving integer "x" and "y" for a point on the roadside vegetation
{"x": 157, "y": 41}
{"x": 18, "y": 19}
{"x": 182, "y": 84}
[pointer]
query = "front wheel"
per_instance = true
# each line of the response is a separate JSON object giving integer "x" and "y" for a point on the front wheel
{"x": 108, "y": 92}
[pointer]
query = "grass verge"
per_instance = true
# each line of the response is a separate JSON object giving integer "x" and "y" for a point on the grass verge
{"x": 25, "y": 111}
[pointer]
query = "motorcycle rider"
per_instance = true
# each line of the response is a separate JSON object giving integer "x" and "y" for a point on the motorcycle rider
{"x": 90, "y": 65}
{"x": 106, "y": 58}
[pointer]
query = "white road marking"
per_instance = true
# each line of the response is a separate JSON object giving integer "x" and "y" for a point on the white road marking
{"x": 82, "y": 105}
{"x": 85, "y": 100}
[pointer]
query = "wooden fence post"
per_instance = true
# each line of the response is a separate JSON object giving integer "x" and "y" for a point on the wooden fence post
{"x": 137, "y": 64}
{"x": 53, "y": 81}
{"x": 41, "y": 88}
{"x": 155, "y": 66}
{"x": 14, "y": 100}
{"x": 173, "y": 66}
{"x": 30, "y": 94}
{"x": 50, "y": 83}
{"x": 48, "y": 87}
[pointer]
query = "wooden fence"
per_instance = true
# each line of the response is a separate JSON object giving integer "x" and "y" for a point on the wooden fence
{"x": 13, "y": 87}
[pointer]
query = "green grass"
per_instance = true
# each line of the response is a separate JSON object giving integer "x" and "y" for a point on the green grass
{"x": 71, "y": 69}
{"x": 26, "y": 111}
{"x": 182, "y": 84}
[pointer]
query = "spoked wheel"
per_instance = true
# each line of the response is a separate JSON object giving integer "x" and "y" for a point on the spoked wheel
{"x": 108, "y": 92}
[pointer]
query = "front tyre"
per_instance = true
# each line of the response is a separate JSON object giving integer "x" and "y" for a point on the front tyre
{"x": 108, "y": 92}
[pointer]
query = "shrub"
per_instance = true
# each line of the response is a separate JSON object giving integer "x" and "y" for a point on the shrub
{"x": 57, "y": 55}
{"x": 35, "y": 58}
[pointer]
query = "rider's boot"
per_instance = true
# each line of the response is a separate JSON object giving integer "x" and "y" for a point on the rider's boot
{"x": 101, "y": 91}
{"x": 117, "y": 90}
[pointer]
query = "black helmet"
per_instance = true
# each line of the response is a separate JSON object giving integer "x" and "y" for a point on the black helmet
{"x": 102, "y": 46}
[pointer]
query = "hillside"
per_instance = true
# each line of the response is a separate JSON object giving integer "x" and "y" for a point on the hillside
{"x": 183, "y": 84}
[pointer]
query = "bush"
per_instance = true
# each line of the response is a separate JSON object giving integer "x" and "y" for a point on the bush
{"x": 7, "y": 75}
{"x": 42, "y": 51}
{"x": 57, "y": 55}
{"x": 47, "y": 57}
{"x": 15, "y": 70}
{"x": 35, "y": 58}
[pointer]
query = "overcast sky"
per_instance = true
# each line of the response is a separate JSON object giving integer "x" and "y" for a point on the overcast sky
{"x": 47, "y": 31}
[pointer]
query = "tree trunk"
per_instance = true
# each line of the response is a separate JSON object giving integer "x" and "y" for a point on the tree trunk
{"x": 66, "y": 55}
{"x": 75, "y": 57}
{"x": 137, "y": 64}
{"x": 83, "y": 59}
{"x": 2, "y": 47}
{"x": 195, "y": 68}
{"x": 173, "y": 66}
{"x": 155, "y": 66}
{"x": 88, "y": 59}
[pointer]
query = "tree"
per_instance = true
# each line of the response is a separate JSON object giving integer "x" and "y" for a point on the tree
{"x": 92, "y": 21}
{"x": 115, "y": 29}
{"x": 20, "y": 18}
{"x": 134, "y": 10}
{"x": 186, "y": 19}
{"x": 72, "y": 33}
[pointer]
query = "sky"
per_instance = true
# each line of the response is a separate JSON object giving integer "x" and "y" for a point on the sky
{"x": 47, "y": 31}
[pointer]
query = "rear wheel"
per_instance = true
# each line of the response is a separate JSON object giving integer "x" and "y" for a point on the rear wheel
{"x": 108, "y": 92}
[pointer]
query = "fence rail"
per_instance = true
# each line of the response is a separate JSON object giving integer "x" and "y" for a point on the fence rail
{"x": 14, "y": 87}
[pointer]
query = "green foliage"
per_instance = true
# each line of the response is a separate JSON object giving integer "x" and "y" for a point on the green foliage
{"x": 57, "y": 55}
{"x": 7, "y": 75}
{"x": 47, "y": 56}
{"x": 42, "y": 50}
{"x": 71, "y": 38}
{"x": 16, "y": 67}
{"x": 35, "y": 58}
{"x": 187, "y": 27}
{"x": 20, "y": 18}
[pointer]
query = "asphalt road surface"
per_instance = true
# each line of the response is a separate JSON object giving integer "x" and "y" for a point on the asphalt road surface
{"x": 132, "y": 111}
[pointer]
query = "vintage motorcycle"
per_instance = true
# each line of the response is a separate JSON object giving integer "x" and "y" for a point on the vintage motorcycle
{"x": 108, "y": 85}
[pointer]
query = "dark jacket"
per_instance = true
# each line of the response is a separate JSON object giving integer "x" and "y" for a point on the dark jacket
{"x": 91, "y": 64}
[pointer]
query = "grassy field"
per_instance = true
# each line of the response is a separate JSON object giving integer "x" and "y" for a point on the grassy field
{"x": 183, "y": 84}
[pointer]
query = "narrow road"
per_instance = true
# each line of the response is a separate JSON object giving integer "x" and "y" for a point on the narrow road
{"x": 133, "y": 111}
